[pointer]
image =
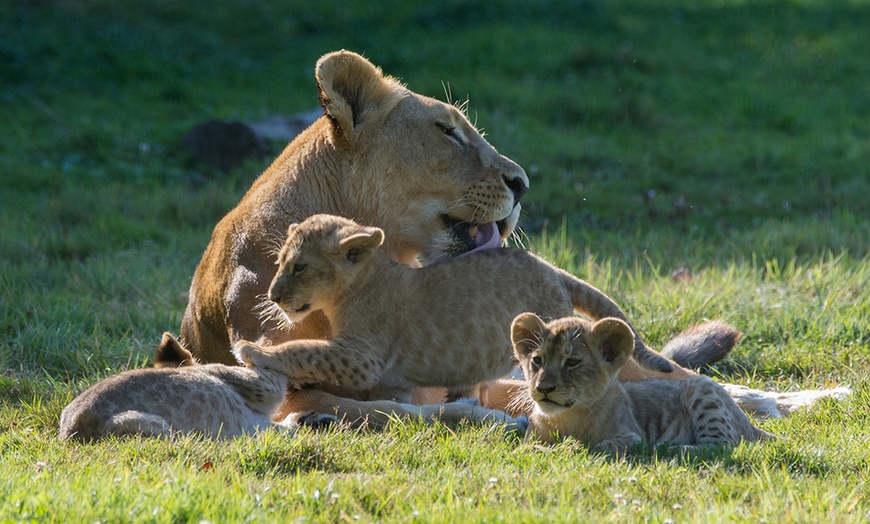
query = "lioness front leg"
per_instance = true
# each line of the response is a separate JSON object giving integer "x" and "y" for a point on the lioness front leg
{"x": 315, "y": 361}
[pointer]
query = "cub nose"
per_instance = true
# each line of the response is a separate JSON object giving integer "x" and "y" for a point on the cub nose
{"x": 516, "y": 185}
{"x": 545, "y": 388}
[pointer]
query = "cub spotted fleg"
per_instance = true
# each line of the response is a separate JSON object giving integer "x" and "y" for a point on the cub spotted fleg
{"x": 177, "y": 396}
{"x": 571, "y": 367}
{"x": 396, "y": 328}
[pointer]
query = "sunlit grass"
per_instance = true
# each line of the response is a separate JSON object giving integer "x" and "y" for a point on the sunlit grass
{"x": 729, "y": 139}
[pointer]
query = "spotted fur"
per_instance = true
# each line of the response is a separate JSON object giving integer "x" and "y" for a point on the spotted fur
{"x": 571, "y": 367}
{"x": 177, "y": 396}
{"x": 396, "y": 328}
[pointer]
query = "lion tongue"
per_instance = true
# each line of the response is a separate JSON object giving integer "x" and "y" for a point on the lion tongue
{"x": 487, "y": 237}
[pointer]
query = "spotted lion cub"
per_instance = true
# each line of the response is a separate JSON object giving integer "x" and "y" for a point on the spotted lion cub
{"x": 396, "y": 328}
{"x": 176, "y": 396}
{"x": 571, "y": 367}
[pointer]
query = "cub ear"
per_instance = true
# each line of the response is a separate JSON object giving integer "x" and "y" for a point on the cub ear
{"x": 288, "y": 238}
{"x": 527, "y": 332}
{"x": 361, "y": 243}
{"x": 353, "y": 90}
{"x": 171, "y": 354}
{"x": 615, "y": 341}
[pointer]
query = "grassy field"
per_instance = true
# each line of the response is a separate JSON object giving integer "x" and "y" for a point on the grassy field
{"x": 731, "y": 138}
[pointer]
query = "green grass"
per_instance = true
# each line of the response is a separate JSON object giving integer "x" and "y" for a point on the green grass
{"x": 731, "y": 138}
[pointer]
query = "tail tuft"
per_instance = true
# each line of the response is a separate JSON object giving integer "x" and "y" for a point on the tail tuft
{"x": 702, "y": 344}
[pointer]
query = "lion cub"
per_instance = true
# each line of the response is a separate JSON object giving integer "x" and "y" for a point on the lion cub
{"x": 571, "y": 368}
{"x": 177, "y": 396}
{"x": 396, "y": 328}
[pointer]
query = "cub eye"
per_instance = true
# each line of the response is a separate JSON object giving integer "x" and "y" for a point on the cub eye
{"x": 537, "y": 361}
{"x": 573, "y": 363}
{"x": 299, "y": 268}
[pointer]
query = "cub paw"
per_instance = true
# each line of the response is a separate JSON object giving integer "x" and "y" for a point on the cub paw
{"x": 315, "y": 420}
{"x": 245, "y": 352}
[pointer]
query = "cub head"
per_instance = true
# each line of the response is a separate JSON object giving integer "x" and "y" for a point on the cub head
{"x": 417, "y": 167}
{"x": 569, "y": 361}
{"x": 171, "y": 354}
{"x": 317, "y": 262}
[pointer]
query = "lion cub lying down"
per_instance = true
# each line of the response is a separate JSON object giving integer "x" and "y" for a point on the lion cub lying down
{"x": 177, "y": 396}
{"x": 396, "y": 328}
{"x": 571, "y": 368}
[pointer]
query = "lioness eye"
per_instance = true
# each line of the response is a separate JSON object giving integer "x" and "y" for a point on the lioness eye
{"x": 451, "y": 133}
{"x": 572, "y": 363}
{"x": 299, "y": 268}
{"x": 536, "y": 362}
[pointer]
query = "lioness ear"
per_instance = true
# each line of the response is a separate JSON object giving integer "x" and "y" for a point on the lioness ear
{"x": 361, "y": 244}
{"x": 171, "y": 354}
{"x": 615, "y": 341}
{"x": 353, "y": 90}
{"x": 527, "y": 332}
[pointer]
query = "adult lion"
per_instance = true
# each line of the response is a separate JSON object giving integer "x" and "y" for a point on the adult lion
{"x": 381, "y": 155}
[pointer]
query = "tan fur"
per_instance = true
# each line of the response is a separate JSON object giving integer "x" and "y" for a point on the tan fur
{"x": 177, "y": 396}
{"x": 572, "y": 387}
{"x": 396, "y": 328}
{"x": 381, "y": 154}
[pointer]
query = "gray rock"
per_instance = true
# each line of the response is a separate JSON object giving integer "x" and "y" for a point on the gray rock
{"x": 223, "y": 144}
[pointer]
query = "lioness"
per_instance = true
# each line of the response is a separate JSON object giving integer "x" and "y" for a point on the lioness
{"x": 571, "y": 367}
{"x": 396, "y": 328}
{"x": 381, "y": 154}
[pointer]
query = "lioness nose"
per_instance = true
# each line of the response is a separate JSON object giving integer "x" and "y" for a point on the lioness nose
{"x": 517, "y": 186}
{"x": 274, "y": 295}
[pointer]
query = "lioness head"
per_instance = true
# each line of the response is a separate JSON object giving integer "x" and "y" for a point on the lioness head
{"x": 420, "y": 170}
{"x": 569, "y": 361}
{"x": 319, "y": 258}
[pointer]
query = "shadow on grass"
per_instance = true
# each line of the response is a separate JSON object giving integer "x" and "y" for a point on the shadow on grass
{"x": 745, "y": 459}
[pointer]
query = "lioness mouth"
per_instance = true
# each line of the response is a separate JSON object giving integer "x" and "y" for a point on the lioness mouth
{"x": 302, "y": 309}
{"x": 476, "y": 237}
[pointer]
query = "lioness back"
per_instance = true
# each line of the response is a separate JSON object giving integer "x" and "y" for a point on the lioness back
{"x": 409, "y": 164}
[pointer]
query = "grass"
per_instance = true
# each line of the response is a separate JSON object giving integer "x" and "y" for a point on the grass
{"x": 727, "y": 137}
